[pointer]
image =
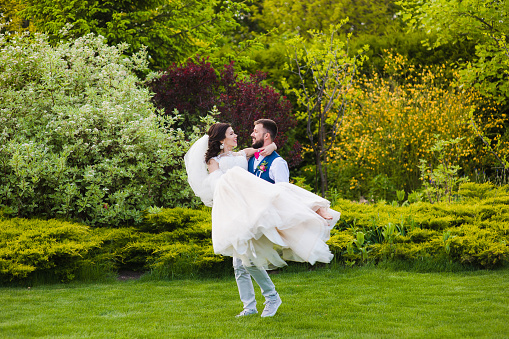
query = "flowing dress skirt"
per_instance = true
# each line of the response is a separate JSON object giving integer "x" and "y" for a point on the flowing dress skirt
{"x": 264, "y": 224}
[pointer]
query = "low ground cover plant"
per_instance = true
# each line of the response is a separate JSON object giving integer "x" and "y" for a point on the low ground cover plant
{"x": 176, "y": 243}
{"x": 170, "y": 244}
{"x": 472, "y": 232}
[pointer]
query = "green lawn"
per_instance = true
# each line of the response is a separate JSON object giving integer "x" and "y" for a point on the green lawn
{"x": 342, "y": 303}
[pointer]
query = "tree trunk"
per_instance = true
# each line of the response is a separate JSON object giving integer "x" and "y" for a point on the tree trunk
{"x": 319, "y": 169}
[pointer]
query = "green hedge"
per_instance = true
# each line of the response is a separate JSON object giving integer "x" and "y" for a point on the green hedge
{"x": 172, "y": 243}
{"x": 473, "y": 231}
{"x": 36, "y": 246}
{"x": 79, "y": 136}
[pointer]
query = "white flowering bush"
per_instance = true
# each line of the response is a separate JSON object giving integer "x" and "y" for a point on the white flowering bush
{"x": 80, "y": 138}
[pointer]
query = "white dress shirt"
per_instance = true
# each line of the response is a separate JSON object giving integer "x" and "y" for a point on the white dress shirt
{"x": 278, "y": 170}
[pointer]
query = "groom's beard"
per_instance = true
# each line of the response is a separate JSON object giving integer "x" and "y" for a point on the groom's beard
{"x": 257, "y": 144}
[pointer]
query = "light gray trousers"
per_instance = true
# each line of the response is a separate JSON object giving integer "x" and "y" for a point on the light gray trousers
{"x": 243, "y": 276}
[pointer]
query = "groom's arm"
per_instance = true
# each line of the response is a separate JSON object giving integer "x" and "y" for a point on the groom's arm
{"x": 279, "y": 170}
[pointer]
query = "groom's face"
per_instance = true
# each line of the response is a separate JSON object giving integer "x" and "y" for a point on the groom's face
{"x": 258, "y": 136}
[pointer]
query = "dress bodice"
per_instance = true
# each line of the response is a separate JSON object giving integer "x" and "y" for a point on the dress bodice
{"x": 230, "y": 160}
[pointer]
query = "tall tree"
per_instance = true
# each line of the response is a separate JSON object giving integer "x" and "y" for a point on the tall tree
{"x": 326, "y": 72}
{"x": 485, "y": 22}
{"x": 303, "y": 15}
{"x": 172, "y": 30}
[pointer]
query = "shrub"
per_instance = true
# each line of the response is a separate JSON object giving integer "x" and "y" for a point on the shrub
{"x": 168, "y": 220}
{"x": 182, "y": 245}
{"x": 393, "y": 124}
{"x": 56, "y": 248}
{"x": 170, "y": 244}
{"x": 474, "y": 231}
{"x": 245, "y": 100}
{"x": 79, "y": 137}
{"x": 482, "y": 247}
{"x": 194, "y": 88}
{"x": 176, "y": 243}
{"x": 191, "y": 88}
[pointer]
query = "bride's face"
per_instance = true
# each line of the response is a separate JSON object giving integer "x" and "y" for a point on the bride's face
{"x": 230, "y": 140}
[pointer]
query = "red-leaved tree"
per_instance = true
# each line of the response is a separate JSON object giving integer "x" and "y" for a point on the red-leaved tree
{"x": 193, "y": 89}
{"x": 243, "y": 101}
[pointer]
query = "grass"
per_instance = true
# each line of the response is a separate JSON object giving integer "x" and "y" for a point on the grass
{"x": 326, "y": 303}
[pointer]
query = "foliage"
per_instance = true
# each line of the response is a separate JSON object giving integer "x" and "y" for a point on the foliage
{"x": 169, "y": 220}
{"x": 49, "y": 247}
{"x": 496, "y": 147}
{"x": 170, "y": 243}
{"x": 326, "y": 73}
{"x": 245, "y": 100}
{"x": 79, "y": 138}
{"x": 302, "y": 15}
{"x": 173, "y": 243}
{"x": 14, "y": 23}
{"x": 441, "y": 183}
{"x": 392, "y": 124}
{"x": 191, "y": 88}
{"x": 194, "y": 88}
{"x": 171, "y": 30}
{"x": 485, "y": 22}
{"x": 176, "y": 243}
{"x": 473, "y": 232}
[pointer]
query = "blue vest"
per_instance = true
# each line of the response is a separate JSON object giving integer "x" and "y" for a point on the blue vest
{"x": 262, "y": 170}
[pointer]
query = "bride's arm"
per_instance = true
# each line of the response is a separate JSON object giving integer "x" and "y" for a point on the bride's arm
{"x": 212, "y": 165}
{"x": 265, "y": 151}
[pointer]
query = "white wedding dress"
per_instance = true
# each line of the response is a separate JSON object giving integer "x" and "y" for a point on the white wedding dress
{"x": 261, "y": 223}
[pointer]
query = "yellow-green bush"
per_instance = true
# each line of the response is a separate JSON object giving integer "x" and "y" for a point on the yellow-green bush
{"x": 172, "y": 219}
{"x": 171, "y": 243}
{"x": 393, "y": 122}
{"x": 474, "y": 231}
{"x": 339, "y": 240}
{"x": 481, "y": 246}
{"x": 54, "y": 247}
{"x": 177, "y": 242}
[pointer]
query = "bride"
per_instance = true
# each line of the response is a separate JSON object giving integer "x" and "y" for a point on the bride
{"x": 261, "y": 223}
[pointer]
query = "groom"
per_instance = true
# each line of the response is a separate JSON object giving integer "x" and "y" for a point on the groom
{"x": 273, "y": 169}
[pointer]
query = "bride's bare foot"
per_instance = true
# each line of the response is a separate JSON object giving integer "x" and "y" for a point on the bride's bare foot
{"x": 322, "y": 211}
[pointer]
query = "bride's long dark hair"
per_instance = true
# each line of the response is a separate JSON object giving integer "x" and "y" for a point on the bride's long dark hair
{"x": 217, "y": 132}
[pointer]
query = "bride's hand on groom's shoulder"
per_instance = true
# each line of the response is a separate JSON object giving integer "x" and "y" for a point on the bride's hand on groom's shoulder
{"x": 266, "y": 151}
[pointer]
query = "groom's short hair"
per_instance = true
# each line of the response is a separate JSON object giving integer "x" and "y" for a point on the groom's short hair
{"x": 269, "y": 125}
